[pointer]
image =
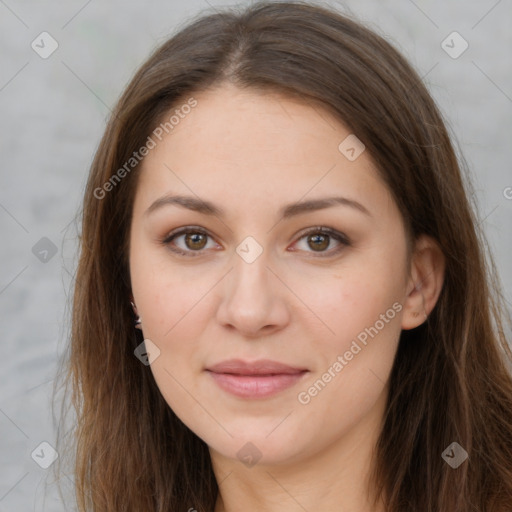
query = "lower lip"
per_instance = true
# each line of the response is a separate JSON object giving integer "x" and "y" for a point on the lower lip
{"x": 255, "y": 386}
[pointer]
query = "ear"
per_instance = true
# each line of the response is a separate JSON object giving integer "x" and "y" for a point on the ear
{"x": 134, "y": 307}
{"x": 425, "y": 282}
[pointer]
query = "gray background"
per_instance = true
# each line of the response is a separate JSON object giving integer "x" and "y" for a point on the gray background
{"x": 54, "y": 112}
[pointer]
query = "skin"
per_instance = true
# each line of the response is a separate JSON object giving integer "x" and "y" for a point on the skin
{"x": 250, "y": 154}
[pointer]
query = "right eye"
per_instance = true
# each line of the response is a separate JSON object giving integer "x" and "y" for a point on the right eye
{"x": 193, "y": 240}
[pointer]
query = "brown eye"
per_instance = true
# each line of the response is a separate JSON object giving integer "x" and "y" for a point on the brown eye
{"x": 195, "y": 241}
{"x": 189, "y": 241}
{"x": 318, "y": 242}
{"x": 319, "y": 239}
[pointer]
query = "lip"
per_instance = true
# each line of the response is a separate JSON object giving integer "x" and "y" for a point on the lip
{"x": 259, "y": 367}
{"x": 257, "y": 379}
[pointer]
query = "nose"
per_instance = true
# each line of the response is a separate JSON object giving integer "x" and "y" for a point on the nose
{"x": 254, "y": 300}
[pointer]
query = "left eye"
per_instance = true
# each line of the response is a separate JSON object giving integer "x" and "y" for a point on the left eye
{"x": 195, "y": 240}
{"x": 320, "y": 238}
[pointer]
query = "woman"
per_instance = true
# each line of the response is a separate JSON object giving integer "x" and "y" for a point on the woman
{"x": 282, "y": 299}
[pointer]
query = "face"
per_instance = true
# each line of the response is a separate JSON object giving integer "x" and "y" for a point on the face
{"x": 318, "y": 287}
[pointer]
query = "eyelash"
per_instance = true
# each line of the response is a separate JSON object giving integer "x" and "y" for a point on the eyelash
{"x": 340, "y": 237}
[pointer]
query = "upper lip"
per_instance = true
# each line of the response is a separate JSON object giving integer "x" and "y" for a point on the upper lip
{"x": 259, "y": 367}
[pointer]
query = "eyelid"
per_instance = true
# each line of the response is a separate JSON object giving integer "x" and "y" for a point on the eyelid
{"x": 333, "y": 233}
{"x": 340, "y": 237}
{"x": 183, "y": 231}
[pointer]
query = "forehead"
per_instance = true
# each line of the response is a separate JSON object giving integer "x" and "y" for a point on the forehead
{"x": 245, "y": 144}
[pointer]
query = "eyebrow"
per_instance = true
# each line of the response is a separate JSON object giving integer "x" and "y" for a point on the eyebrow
{"x": 207, "y": 208}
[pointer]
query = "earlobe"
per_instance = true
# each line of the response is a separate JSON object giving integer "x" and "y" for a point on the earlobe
{"x": 137, "y": 321}
{"x": 425, "y": 283}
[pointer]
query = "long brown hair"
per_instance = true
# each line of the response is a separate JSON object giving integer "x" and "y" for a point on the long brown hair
{"x": 450, "y": 381}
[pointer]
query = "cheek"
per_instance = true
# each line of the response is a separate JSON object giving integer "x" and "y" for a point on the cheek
{"x": 349, "y": 300}
{"x": 364, "y": 312}
{"x": 175, "y": 322}
{"x": 356, "y": 361}
{"x": 175, "y": 315}
{"x": 167, "y": 296}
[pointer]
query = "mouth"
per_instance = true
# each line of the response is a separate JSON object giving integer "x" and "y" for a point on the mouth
{"x": 259, "y": 379}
